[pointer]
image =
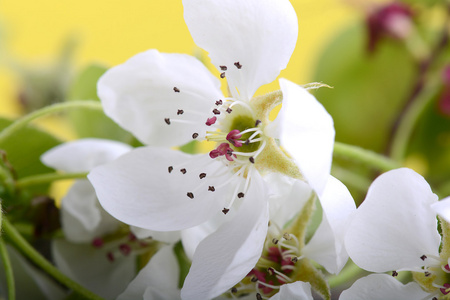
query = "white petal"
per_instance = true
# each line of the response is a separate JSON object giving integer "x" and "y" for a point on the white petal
{"x": 395, "y": 224}
{"x": 442, "y": 208}
{"x": 90, "y": 267}
{"x": 83, "y": 155}
{"x": 82, "y": 217}
{"x": 139, "y": 95}
{"x": 294, "y": 291}
{"x": 287, "y": 197}
{"x": 192, "y": 237}
{"x": 160, "y": 275}
{"x": 229, "y": 254}
{"x": 382, "y": 286}
{"x": 327, "y": 245}
{"x": 169, "y": 237}
{"x": 138, "y": 189}
{"x": 306, "y": 131}
{"x": 259, "y": 34}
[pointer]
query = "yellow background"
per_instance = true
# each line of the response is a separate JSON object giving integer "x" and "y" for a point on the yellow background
{"x": 111, "y": 31}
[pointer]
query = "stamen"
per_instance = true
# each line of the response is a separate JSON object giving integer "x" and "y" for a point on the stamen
{"x": 190, "y": 195}
{"x": 223, "y": 68}
{"x": 251, "y": 159}
{"x": 423, "y": 257}
{"x": 445, "y": 289}
{"x": 110, "y": 256}
{"x": 229, "y": 110}
{"x": 225, "y": 210}
{"x": 176, "y": 90}
{"x": 222, "y": 75}
{"x": 219, "y": 102}
{"x": 202, "y": 175}
{"x": 257, "y": 123}
{"x": 125, "y": 249}
{"x": 275, "y": 241}
{"x": 167, "y": 120}
{"x": 209, "y": 121}
{"x": 446, "y": 268}
{"x": 195, "y": 135}
{"x": 216, "y": 111}
{"x": 211, "y": 188}
{"x": 170, "y": 168}
{"x": 183, "y": 171}
{"x": 180, "y": 112}
{"x": 238, "y": 65}
{"x": 280, "y": 276}
{"x": 234, "y": 290}
{"x": 394, "y": 273}
{"x": 97, "y": 242}
{"x": 240, "y": 195}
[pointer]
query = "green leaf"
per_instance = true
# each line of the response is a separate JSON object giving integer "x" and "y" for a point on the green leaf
{"x": 23, "y": 152}
{"x": 93, "y": 123}
{"x": 369, "y": 89}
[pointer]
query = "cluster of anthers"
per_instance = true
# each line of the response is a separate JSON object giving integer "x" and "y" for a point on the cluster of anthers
{"x": 274, "y": 268}
{"x": 239, "y": 136}
{"x": 434, "y": 277}
{"x": 122, "y": 245}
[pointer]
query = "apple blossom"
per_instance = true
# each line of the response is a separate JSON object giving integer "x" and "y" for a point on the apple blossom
{"x": 168, "y": 100}
{"x": 396, "y": 229}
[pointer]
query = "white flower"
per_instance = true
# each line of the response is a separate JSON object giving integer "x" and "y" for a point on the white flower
{"x": 101, "y": 267}
{"x": 395, "y": 229}
{"x": 383, "y": 286}
{"x": 286, "y": 258}
{"x": 170, "y": 99}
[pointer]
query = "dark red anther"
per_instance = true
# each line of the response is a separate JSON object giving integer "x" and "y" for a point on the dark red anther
{"x": 97, "y": 242}
{"x": 447, "y": 268}
{"x": 223, "y": 149}
{"x": 211, "y": 121}
{"x": 125, "y": 249}
{"x": 233, "y": 137}
{"x": 110, "y": 256}
{"x": 446, "y": 289}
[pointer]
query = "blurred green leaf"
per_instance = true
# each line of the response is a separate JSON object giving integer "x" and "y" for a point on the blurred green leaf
{"x": 93, "y": 123}
{"x": 23, "y": 152}
{"x": 431, "y": 141}
{"x": 369, "y": 88}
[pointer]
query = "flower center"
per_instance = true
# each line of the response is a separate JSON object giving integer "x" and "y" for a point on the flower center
{"x": 434, "y": 278}
{"x": 275, "y": 267}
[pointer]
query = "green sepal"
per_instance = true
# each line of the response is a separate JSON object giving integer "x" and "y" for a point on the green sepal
{"x": 305, "y": 271}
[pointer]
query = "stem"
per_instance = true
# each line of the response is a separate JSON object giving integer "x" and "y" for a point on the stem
{"x": 417, "y": 89}
{"x": 22, "y": 245}
{"x": 346, "y": 275}
{"x": 19, "y": 123}
{"x": 46, "y": 178}
{"x": 365, "y": 157}
{"x": 405, "y": 129}
{"x": 8, "y": 271}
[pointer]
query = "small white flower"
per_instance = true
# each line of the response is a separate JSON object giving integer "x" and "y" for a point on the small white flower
{"x": 395, "y": 229}
{"x": 104, "y": 268}
{"x": 168, "y": 100}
